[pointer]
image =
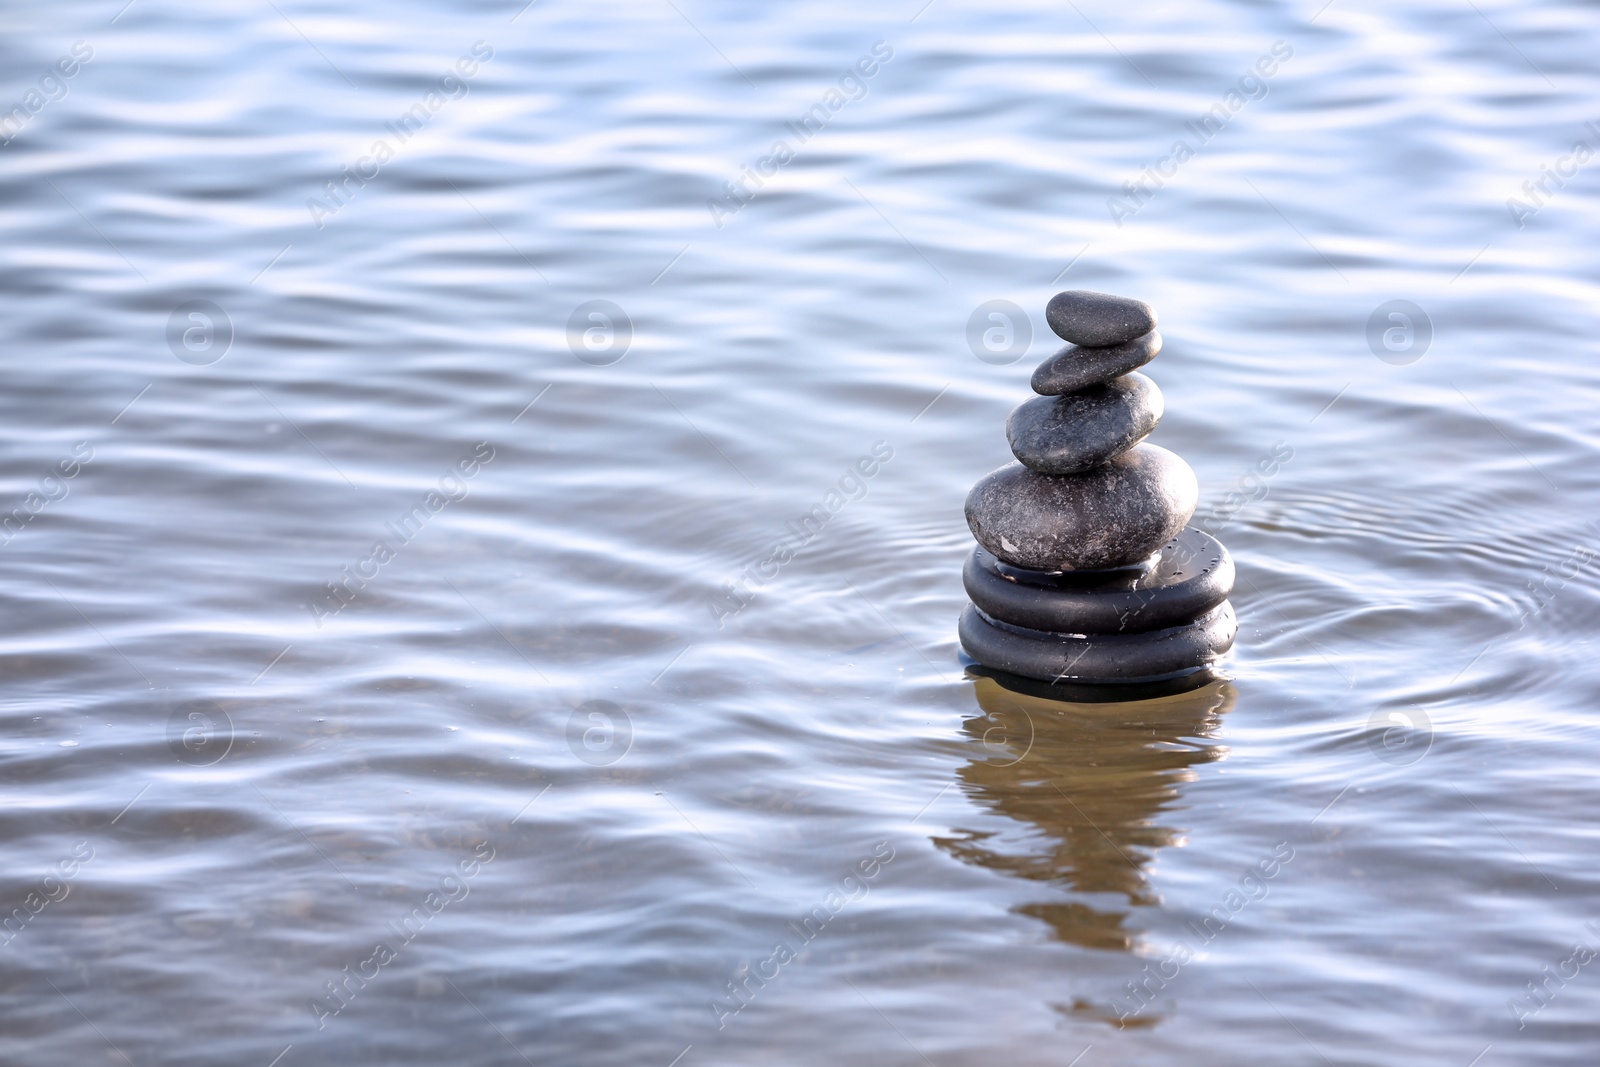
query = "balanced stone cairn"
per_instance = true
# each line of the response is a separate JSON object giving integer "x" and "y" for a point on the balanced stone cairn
{"x": 1085, "y": 570}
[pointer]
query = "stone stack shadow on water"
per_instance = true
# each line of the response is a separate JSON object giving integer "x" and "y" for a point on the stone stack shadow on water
{"x": 1086, "y": 571}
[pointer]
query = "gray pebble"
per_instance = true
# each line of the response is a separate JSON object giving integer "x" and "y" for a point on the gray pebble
{"x": 1102, "y": 658}
{"x": 1116, "y": 514}
{"x": 1076, "y": 367}
{"x": 1098, "y": 319}
{"x": 1068, "y": 434}
{"x": 1192, "y": 574}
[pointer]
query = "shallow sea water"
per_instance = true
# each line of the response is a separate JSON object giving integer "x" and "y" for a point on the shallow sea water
{"x": 220, "y": 795}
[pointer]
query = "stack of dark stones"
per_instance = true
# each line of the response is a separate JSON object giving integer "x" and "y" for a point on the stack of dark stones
{"x": 1086, "y": 570}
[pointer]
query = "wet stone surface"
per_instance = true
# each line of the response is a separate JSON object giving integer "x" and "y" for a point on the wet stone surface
{"x": 1146, "y": 656}
{"x": 1113, "y": 515}
{"x": 1072, "y": 433}
{"x": 1077, "y": 367}
{"x": 1089, "y": 318}
{"x": 1191, "y": 574}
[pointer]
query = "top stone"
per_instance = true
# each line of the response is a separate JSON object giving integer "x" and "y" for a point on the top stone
{"x": 1098, "y": 319}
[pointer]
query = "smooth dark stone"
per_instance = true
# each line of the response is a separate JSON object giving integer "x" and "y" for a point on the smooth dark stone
{"x": 1098, "y": 319}
{"x": 1082, "y": 578}
{"x": 1106, "y": 691}
{"x": 1192, "y": 574}
{"x": 1141, "y": 657}
{"x": 1076, "y": 367}
{"x": 1068, "y": 434}
{"x": 1116, "y": 514}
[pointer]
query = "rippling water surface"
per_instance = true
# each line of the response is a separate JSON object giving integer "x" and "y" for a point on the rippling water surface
{"x": 372, "y": 689}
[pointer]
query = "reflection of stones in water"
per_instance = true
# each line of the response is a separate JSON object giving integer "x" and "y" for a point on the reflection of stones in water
{"x": 1088, "y": 786}
{"x": 1081, "y": 925}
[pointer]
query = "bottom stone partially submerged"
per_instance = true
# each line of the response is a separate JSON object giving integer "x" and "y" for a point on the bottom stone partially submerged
{"x": 1151, "y": 656}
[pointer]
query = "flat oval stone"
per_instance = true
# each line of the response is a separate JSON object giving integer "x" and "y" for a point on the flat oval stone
{"x": 1076, "y": 367}
{"x": 1118, "y": 513}
{"x": 1142, "y": 657}
{"x": 1098, "y": 319}
{"x": 1191, "y": 574}
{"x": 1072, "y": 433}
